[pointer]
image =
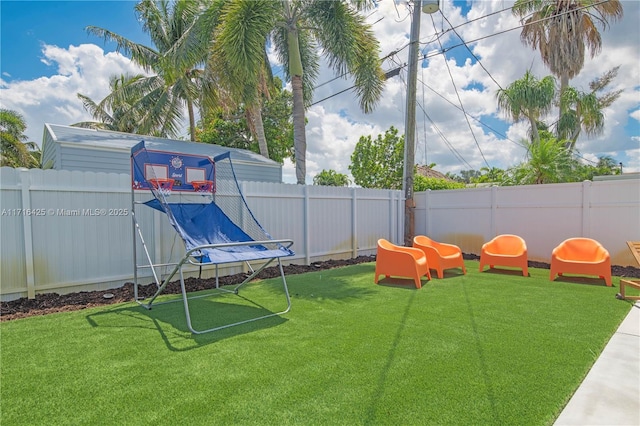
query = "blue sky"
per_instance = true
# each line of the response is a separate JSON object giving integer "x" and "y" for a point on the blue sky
{"x": 47, "y": 57}
{"x": 26, "y": 25}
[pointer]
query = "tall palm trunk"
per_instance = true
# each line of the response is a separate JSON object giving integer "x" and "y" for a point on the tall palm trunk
{"x": 564, "y": 83}
{"x": 254, "y": 113}
{"x": 535, "y": 135}
{"x": 192, "y": 121}
{"x": 299, "y": 136}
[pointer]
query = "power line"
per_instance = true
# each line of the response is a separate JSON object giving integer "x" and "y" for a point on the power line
{"x": 448, "y": 144}
{"x": 395, "y": 71}
{"x": 445, "y": 50}
{"x": 471, "y": 52}
{"x": 444, "y": 138}
{"x": 470, "y": 116}
{"x": 461, "y": 105}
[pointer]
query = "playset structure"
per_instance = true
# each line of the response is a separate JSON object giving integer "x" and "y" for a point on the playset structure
{"x": 211, "y": 216}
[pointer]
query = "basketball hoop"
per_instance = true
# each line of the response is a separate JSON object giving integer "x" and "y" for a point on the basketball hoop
{"x": 202, "y": 185}
{"x": 162, "y": 185}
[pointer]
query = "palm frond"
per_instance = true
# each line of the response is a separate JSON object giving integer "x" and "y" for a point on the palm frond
{"x": 142, "y": 55}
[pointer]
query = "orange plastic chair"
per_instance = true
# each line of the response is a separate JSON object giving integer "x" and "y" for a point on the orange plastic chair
{"x": 581, "y": 256}
{"x": 505, "y": 250}
{"x": 440, "y": 256}
{"x": 401, "y": 261}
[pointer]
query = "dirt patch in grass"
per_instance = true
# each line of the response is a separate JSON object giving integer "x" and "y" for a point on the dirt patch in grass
{"x": 52, "y": 302}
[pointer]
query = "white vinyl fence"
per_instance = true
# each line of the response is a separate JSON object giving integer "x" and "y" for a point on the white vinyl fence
{"x": 64, "y": 231}
{"x": 543, "y": 215}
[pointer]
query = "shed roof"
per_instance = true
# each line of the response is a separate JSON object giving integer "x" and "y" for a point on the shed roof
{"x": 76, "y": 148}
{"x": 117, "y": 141}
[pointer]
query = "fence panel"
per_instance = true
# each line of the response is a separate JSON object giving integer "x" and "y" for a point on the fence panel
{"x": 13, "y": 270}
{"x": 69, "y": 231}
{"x": 614, "y": 217}
{"x": 544, "y": 215}
{"x": 461, "y": 217}
{"x": 83, "y": 238}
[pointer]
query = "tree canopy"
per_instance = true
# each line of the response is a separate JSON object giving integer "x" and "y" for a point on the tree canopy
{"x": 232, "y": 129}
{"x": 15, "y": 151}
{"x": 378, "y": 163}
{"x": 331, "y": 178}
{"x": 298, "y": 32}
{"x": 177, "y": 81}
{"x": 563, "y": 30}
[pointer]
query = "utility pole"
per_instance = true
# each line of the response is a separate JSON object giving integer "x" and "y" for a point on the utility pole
{"x": 410, "y": 126}
{"x": 426, "y": 6}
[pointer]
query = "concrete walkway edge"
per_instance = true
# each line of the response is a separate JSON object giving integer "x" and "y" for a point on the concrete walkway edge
{"x": 610, "y": 393}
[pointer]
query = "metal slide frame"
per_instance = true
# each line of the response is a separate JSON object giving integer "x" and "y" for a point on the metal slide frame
{"x": 191, "y": 258}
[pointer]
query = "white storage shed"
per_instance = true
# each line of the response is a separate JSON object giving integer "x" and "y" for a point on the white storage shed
{"x": 76, "y": 148}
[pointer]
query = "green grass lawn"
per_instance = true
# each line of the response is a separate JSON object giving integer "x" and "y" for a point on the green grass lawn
{"x": 480, "y": 349}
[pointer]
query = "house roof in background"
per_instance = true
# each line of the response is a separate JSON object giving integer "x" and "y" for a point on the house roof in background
{"x": 429, "y": 172}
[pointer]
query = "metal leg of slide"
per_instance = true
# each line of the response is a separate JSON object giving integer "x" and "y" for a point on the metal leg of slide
{"x": 185, "y": 301}
{"x": 178, "y": 269}
{"x": 254, "y": 273}
{"x": 217, "y": 281}
{"x": 188, "y": 314}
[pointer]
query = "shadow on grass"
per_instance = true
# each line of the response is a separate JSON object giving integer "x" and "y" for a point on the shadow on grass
{"x": 382, "y": 380}
{"x": 481, "y": 356}
{"x": 405, "y": 283}
{"x": 503, "y": 271}
{"x": 447, "y": 273}
{"x": 169, "y": 320}
{"x": 333, "y": 284}
{"x": 581, "y": 280}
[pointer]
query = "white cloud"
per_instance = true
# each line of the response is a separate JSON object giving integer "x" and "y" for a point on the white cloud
{"x": 336, "y": 124}
{"x": 81, "y": 69}
{"x": 503, "y": 58}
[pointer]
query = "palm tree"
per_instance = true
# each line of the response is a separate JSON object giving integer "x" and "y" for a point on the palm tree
{"x": 177, "y": 81}
{"x": 15, "y": 152}
{"x": 562, "y": 30}
{"x": 490, "y": 174}
{"x": 548, "y": 162}
{"x": 528, "y": 98}
{"x": 297, "y": 30}
{"x": 232, "y": 128}
{"x": 124, "y": 109}
{"x": 584, "y": 111}
{"x": 331, "y": 178}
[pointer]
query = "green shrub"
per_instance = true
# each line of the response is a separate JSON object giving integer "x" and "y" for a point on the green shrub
{"x": 422, "y": 183}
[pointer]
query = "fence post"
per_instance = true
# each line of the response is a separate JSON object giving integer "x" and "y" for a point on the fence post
{"x": 354, "y": 223}
{"x": 393, "y": 224}
{"x": 400, "y": 200}
{"x": 307, "y": 242}
{"x": 427, "y": 212}
{"x": 586, "y": 208}
{"x": 494, "y": 209}
{"x": 25, "y": 189}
